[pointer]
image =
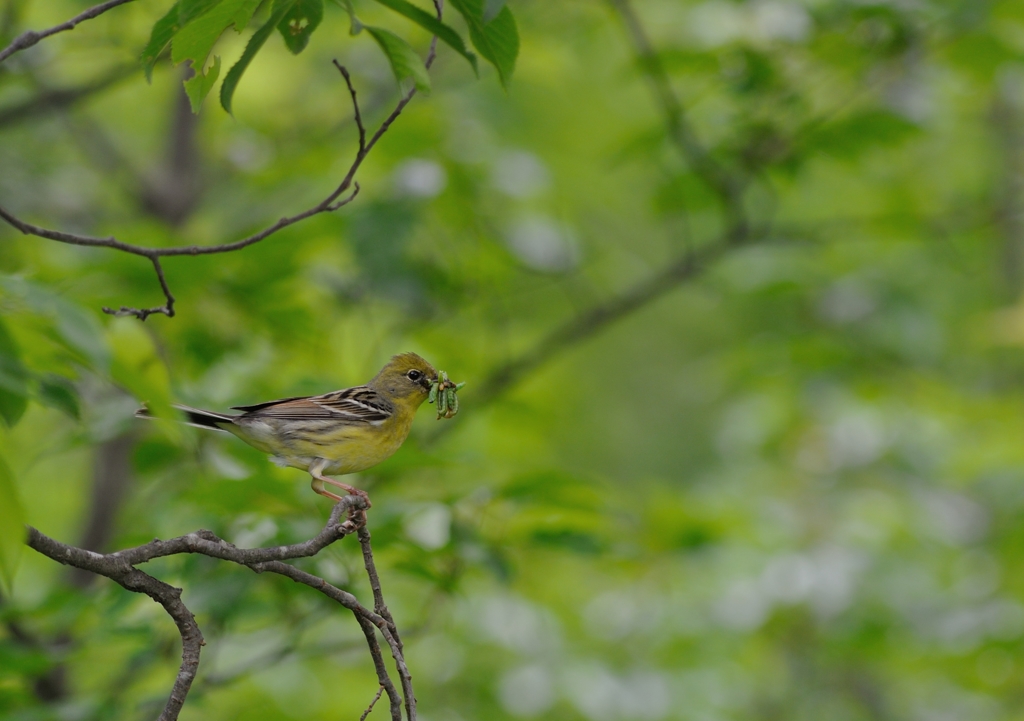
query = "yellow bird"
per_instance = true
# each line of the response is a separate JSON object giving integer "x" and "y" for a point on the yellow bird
{"x": 336, "y": 433}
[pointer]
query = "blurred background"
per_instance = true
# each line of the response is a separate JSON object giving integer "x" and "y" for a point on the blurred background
{"x": 736, "y": 291}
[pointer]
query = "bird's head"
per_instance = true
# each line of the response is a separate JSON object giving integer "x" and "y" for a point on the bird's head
{"x": 406, "y": 376}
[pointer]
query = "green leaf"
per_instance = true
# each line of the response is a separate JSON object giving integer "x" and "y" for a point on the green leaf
{"x": 12, "y": 526}
{"x": 81, "y": 332}
{"x": 199, "y": 85}
{"x": 161, "y": 34}
{"x": 491, "y": 9}
{"x": 405, "y": 62}
{"x": 432, "y": 25}
{"x": 188, "y": 10}
{"x": 58, "y": 392}
{"x": 227, "y": 89}
{"x": 196, "y": 39}
{"x": 848, "y": 137}
{"x": 13, "y": 393}
{"x": 76, "y": 329}
{"x": 299, "y": 23}
{"x": 244, "y": 13}
{"x": 355, "y": 27}
{"x": 497, "y": 40}
{"x": 570, "y": 540}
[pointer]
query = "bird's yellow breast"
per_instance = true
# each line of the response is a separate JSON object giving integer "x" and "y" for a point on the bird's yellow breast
{"x": 348, "y": 448}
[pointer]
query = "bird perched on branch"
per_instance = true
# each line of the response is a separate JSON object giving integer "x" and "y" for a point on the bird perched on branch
{"x": 336, "y": 433}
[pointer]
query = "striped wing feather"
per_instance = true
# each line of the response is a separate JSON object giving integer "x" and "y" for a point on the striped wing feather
{"x": 359, "y": 405}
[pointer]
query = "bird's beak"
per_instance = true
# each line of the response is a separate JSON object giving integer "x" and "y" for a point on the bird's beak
{"x": 428, "y": 382}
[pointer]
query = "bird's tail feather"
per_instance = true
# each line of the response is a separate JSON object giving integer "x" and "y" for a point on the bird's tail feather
{"x": 195, "y": 417}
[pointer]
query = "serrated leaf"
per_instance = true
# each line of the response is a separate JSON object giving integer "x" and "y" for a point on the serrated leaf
{"x": 497, "y": 40}
{"x": 159, "y": 37}
{"x": 195, "y": 40}
{"x": 491, "y": 9}
{"x": 12, "y": 526}
{"x": 406, "y": 63}
{"x": 432, "y": 25}
{"x": 199, "y": 85}
{"x": 244, "y": 14}
{"x": 227, "y": 89}
{"x": 300, "y": 22}
{"x": 13, "y": 391}
{"x": 58, "y": 392}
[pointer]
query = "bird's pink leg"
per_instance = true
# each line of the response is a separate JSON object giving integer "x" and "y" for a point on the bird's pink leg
{"x": 316, "y": 469}
{"x": 318, "y": 487}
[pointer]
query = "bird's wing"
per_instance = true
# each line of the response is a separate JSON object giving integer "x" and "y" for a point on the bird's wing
{"x": 359, "y": 405}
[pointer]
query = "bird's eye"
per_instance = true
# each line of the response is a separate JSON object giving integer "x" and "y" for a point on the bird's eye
{"x": 414, "y": 375}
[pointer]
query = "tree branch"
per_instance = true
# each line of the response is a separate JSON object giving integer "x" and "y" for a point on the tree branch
{"x": 332, "y": 202}
{"x": 597, "y": 318}
{"x": 30, "y": 37}
{"x": 372, "y": 704}
{"x": 135, "y": 580}
{"x": 727, "y": 185}
{"x": 121, "y": 568}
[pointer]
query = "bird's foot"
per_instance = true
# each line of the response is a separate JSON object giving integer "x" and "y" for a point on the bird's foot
{"x": 351, "y": 490}
{"x": 355, "y": 521}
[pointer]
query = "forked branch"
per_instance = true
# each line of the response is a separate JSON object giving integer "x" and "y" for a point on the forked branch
{"x": 343, "y": 194}
{"x": 121, "y": 568}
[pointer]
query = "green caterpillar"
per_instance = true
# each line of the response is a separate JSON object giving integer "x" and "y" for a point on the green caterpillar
{"x": 445, "y": 393}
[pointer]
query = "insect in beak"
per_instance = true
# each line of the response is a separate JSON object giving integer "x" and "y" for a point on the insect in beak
{"x": 443, "y": 391}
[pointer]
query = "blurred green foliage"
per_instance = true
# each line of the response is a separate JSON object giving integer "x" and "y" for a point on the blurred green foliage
{"x": 791, "y": 488}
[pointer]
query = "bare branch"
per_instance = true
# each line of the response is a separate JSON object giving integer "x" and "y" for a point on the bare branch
{"x": 391, "y": 633}
{"x": 30, "y": 37}
{"x": 121, "y": 568}
{"x": 372, "y": 704}
{"x": 597, "y": 318}
{"x": 355, "y": 105}
{"x": 135, "y": 580}
{"x": 328, "y": 204}
{"x": 728, "y": 186}
{"x": 143, "y": 313}
{"x": 684, "y": 268}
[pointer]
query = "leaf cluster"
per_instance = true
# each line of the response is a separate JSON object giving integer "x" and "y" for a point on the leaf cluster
{"x": 191, "y": 28}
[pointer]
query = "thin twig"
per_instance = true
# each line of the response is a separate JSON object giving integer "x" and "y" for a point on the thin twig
{"x": 372, "y": 704}
{"x": 684, "y": 268}
{"x": 391, "y": 632}
{"x": 368, "y": 622}
{"x": 394, "y": 698}
{"x": 143, "y": 313}
{"x": 594, "y": 320}
{"x": 30, "y": 37}
{"x": 727, "y": 185}
{"x": 328, "y": 204}
{"x": 379, "y": 606}
{"x": 403, "y": 671}
{"x": 355, "y": 105}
